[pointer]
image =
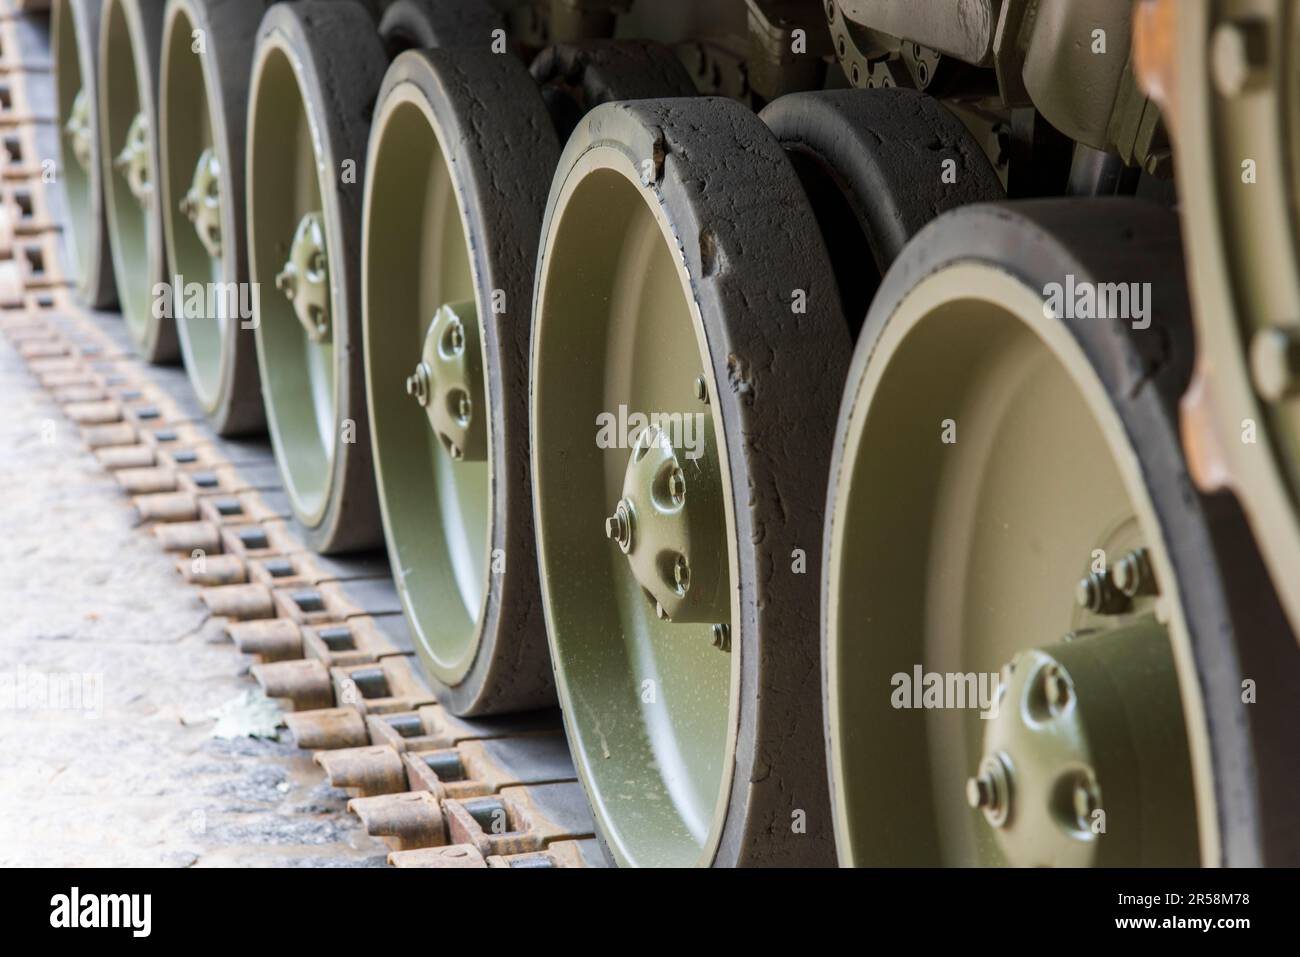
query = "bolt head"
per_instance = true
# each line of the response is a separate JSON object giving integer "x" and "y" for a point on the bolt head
{"x": 979, "y": 791}
{"x": 1056, "y": 688}
{"x": 682, "y": 574}
{"x": 677, "y": 486}
{"x": 722, "y": 637}
{"x": 1085, "y": 802}
{"x": 1275, "y": 364}
{"x": 1087, "y": 593}
{"x": 701, "y": 389}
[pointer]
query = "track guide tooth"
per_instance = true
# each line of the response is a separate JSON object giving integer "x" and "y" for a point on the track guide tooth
{"x": 273, "y": 639}
{"x": 305, "y": 682}
{"x": 213, "y": 571}
{"x": 328, "y": 729}
{"x": 452, "y": 856}
{"x": 146, "y": 481}
{"x": 105, "y": 436}
{"x": 167, "y": 507}
{"x": 125, "y": 457}
{"x": 189, "y": 537}
{"x": 93, "y": 413}
{"x": 405, "y": 821}
{"x": 364, "y": 772}
{"x": 239, "y": 602}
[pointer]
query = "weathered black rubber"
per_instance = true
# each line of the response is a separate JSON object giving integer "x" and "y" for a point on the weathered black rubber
{"x": 1237, "y": 627}
{"x": 343, "y": 63}
{"x": 876, "y": 165}
{"x": 748, "y": 239}
{"x": 230, "y": 34}
{"x": 96, "y": 285}
{"x": 501, "y": 153}
{"x": 577, "y": 77}
{"x": 426, "y": 24}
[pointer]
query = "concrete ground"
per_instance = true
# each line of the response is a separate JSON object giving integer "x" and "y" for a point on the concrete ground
{"x": 86, "y": 596}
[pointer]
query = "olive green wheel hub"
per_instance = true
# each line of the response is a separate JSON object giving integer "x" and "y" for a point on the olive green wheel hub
{"x": 676, "y": 498}
{"x": 75, "y": 43}
{"x": 316, "y": 67}
{"x": 451, "y": 225}
{"x": 129, "y": 56}
{"x": 1227, "y": 76}
{"x": 207, "y": 52}
{"x": 1033, "y": 654}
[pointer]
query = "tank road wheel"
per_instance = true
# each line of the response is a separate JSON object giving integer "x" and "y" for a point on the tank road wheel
{"x": 204, "y": 110}
{"x": 682, "y": 276}
{"x": 877, "y": 166}
{"x": 1028, "y": 512}
{"x": 461, "y": 161}
{"x": 316, "y": 72}
{"x": 76, "y": 56}
{"x": 1228, "y": 78}
{"x": 130, "y": 38}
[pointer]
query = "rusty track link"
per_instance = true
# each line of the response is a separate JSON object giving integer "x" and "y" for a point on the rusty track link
{"x": 328, "y": 633}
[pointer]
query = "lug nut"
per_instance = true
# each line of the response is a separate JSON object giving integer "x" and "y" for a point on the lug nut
{"x": 677, "y": 486}
{"x": 1086, "y": 802}
{"x": 682, "y": 575}
{"x": 455, "y": 338}
{"x": 1133, "y": 576}
{"x": 722, "y": 637}
{"x": 1275, "y": 364}
{"x": 980, "y": 792}
{"x": 618, "y": 527}
{"x": 1056, "y": 689}
{"x": 1098, "y": 594}
{"x": 463, "y": 408}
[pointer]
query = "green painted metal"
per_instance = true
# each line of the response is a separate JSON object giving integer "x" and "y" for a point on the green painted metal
{"x": 435, "y": 471}
{"x": 952, "y": 563}
{"x": 295, "y": 343}
{"x": 1085, "y": 761}
{"x": 74, "y": 43}
{"x": 128, "y": 83}
{"x": 619, "y": 335}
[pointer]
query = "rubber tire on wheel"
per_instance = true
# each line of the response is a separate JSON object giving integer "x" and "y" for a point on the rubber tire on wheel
{"x": 463, "y": 132}
{"x": 322, "y": 60}
{"x": 130, "y": 40}
{"x": 75, "y": 40}
{"x": 743, "y": 241}
{"x": 429, "y": 24}
{"x": 221, "y": 359}
{"x": 875, "y": 165}
{"x": 1234, "y": 625}
{"x": 575, "y": 78}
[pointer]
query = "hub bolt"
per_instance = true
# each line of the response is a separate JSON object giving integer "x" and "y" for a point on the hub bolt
{"x": 990, "y": 789}
{"x": 618, "y": 527}
{"x": 677, "y": 486}
{"x": 417, "y": 384}
{"x": 722, "y": 637}
{"x": 682, "y": 575}
{"x": 1056, "y": 689}
{"x": 1275, "y": 364}
{"x": 1133, "y": 575}
{"x": 1086, "y": 802}
{"x": 1098, "y": 594}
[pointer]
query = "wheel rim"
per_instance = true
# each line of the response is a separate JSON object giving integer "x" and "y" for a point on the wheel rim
{"x": 129, "y": 170}
{"x": 193, "y": 197}
{"x": 619, "y": 302}
{"x": 437, "y": 505}
{"x": 76, "y": 124}
{"x": 987, "y": 528}
{"x": 286, "y": 204}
